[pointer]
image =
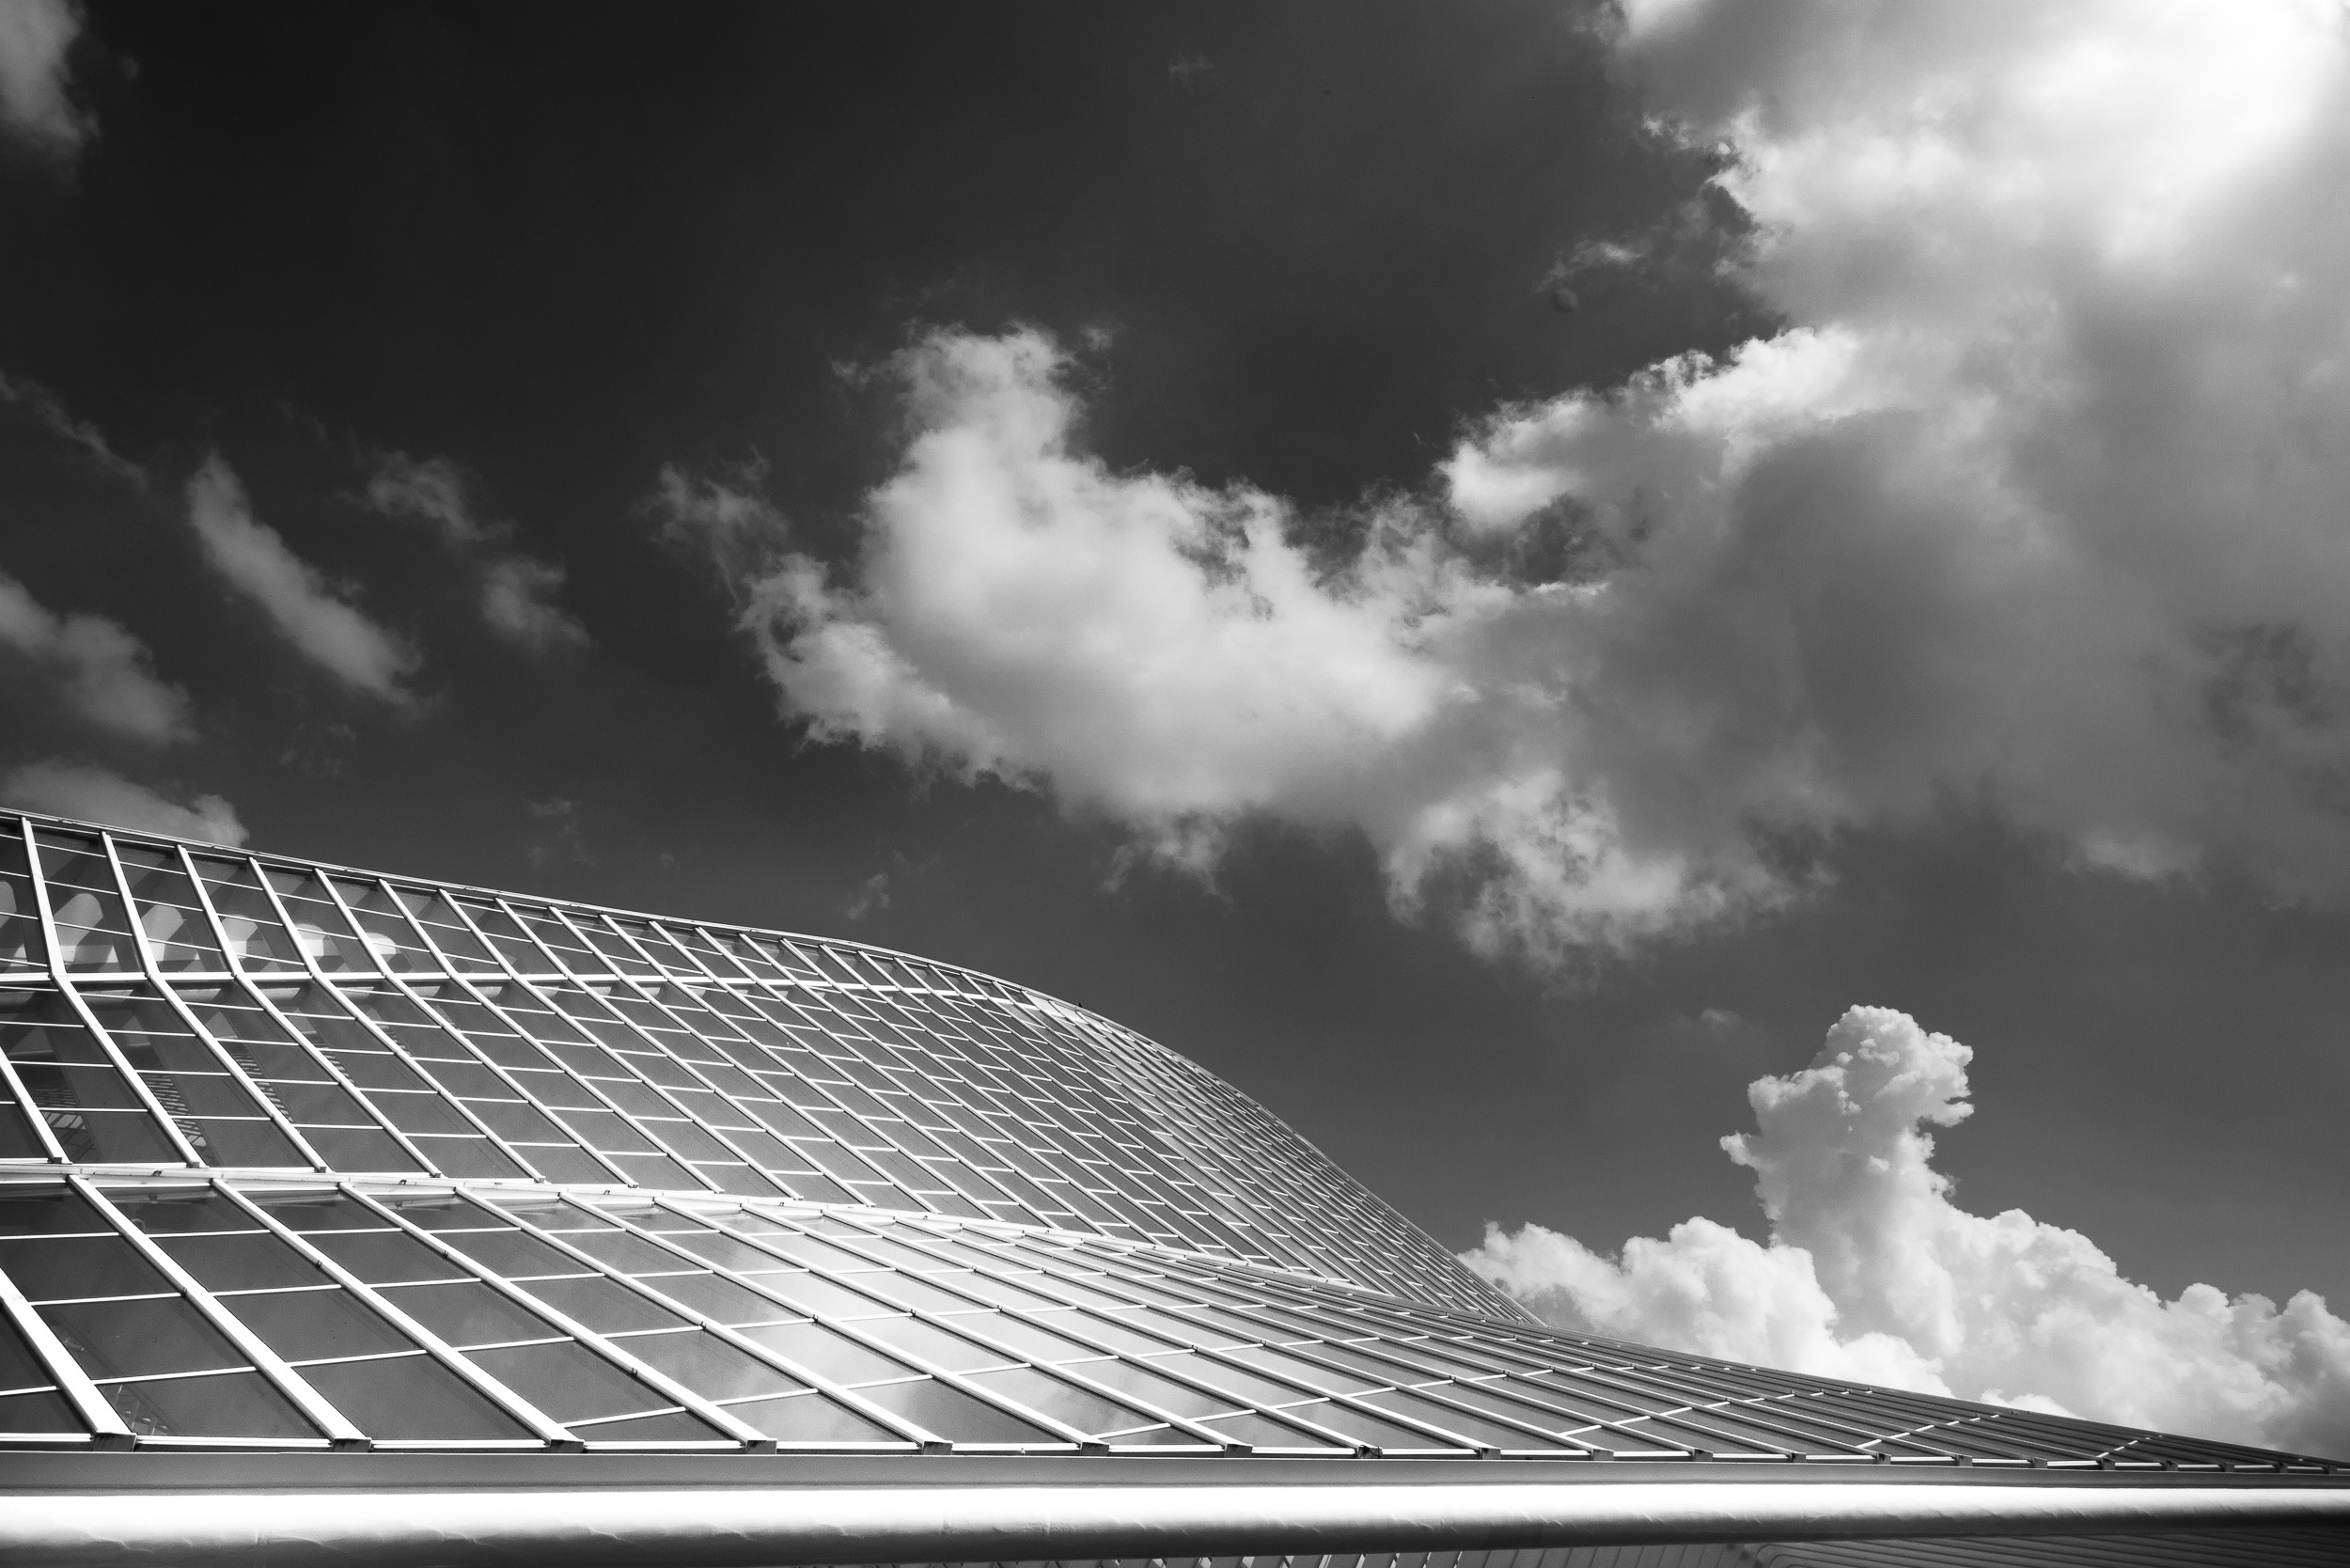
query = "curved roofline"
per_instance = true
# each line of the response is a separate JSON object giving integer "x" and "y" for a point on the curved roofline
{"x": 84, "y": 825}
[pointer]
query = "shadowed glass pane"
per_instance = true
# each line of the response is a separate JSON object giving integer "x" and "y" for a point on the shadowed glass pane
{"x": 470, "y": 1314}
{"x": 242, "y": 1263}
{"x": 137, "y": 1339}
{"x": 569, "y": 1381}
{"x": 37, "y": 1413}
{"x": 605, "y": 1305}
{"x": 241, "y": 1405}
{"x": 307, "y": 1325}
{"x": 810, "y": 1418}
{"x": 412, "y": 1397}
{"x": 707, "y": 1365}
{"x": 954, "y": 1415}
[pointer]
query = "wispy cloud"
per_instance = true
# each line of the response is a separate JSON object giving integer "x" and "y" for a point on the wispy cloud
{"x": 101, "y": 670}
{"x": 255, "y": 561}
{"x": 2034, "y": 498}
{"x": 81, "y": 789}
{"x": 44, "y": 408}
{"x": 1872, "y": 1273}
{"x": 518, "y": 590}
{"x": 35, "y": 35}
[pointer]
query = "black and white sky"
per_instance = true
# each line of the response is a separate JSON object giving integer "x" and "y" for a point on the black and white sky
{"x": 1534, "y": 583}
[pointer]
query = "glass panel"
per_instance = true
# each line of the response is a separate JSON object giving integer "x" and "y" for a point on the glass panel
{"x": 20, "y": 917}
{"x": 810, "y": 1418}
{"x": 177, "y": 932}
{"x": 318, "y": 1325}
{"x": 602, "y": 1306}
{"x": 513, "y": 942}
{"x": 951, "y": 1414}
{"x": 327, "y": 938}
{"x": 93, "y": 933}
{"x": 255, "y": 936}
{"x": 433, "y": 910}
{"x": 42, "y": 1413}
{"x": 674, "y": 1427}
{"x": 708, "y": 1365}
{"x": 388, "y": 936}
{"x": 413, "y": 1398}
{"x": 826, "y": 1353}
{"x": 138, "y": 1338}
{"x": 241, "y": 1405}
{"x": 470, "y": 1313}
{"x": 568, "y": 1381}
{"x": 256, "y": 1261}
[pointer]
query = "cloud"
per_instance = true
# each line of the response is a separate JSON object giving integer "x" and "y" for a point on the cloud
{"x": 518, "y": 592}
{"x": 103, "y": 672}
{"x": 297, "y": 598}
{"x": 92, "y": 794}
{"x": 2031, "y": 498}
{"x": 1871, "y": 1272}
{"x": 44, "y": 408}
{"x": 35, "y": 35}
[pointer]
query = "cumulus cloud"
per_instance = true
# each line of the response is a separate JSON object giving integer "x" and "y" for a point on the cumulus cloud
{"x": 305, "y": 608}
{"x": 2033, "y": 498}
{"x": 518, "y": 592}
{"x": 35, "y": 35}
{"x": 101, "y": 670}
{"x": 1871, "y": 1272}
{"x": 81, "y": 789}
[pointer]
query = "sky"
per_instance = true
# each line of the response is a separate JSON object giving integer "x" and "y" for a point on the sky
{"x": 1710, "y": 641}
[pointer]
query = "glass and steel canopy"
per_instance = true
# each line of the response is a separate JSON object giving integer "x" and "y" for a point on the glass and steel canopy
{"x": 297, "y": 1160}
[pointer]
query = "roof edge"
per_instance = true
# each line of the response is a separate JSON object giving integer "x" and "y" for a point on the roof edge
{"x": 714, "y": 1526}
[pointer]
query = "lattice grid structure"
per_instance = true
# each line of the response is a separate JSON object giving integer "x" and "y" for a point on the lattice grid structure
{"x": 296, "y": 1158}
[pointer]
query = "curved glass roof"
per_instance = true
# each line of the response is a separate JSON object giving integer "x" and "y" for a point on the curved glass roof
{"x": 299, "y": 1157}
{"x": 172, "y": 1004}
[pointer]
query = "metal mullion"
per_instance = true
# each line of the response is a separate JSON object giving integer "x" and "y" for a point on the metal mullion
{"x": 571, "y": 1072}
{"x": 318, "y": 977}
{"x": 269, "y": 1106}
{"x": 252, "y": 988}
{"x": 546, "y": 1426}
{"x": 636, "y": 1076}
{"x": 105, "y": 1425}
{"x": 505, "y": 1075}
{"x": 32, "y": 1112}
{"x": 918, "y": 1362}
{"x": 172, "y": 999}
{"x": 776, "y": 1360}
{"x": 645, "y": 952}
{"x": 383, "y": 974}
{"x": 719, "y": 947}
{"x": 719, "y": 1133}
{"x": 1349, "y": 1400}
{"x": 39, "y": 879}
{"x": 1335, "y": 1396}
{"x": 1074, "y": 1374}
{"x": 530, "y": 935}
{"x": 400, "y": 904}
{"x": 851, "y": 1044}
{"x": 313, "y": 1406}
{"x": 585, "y": 941}
{"x": 731, "y": 1100}
{"x": 114, "y": 1053}
{"x": 652, "y": 1378}
{"x": 1182, "y": 1423}
{"x": 1756, "y": 1410}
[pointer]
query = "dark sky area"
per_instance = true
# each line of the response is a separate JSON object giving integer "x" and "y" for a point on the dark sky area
{"x": 564, "y": 247}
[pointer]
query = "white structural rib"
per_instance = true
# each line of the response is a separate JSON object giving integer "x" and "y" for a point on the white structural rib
{"x": 710, "y": 1527}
